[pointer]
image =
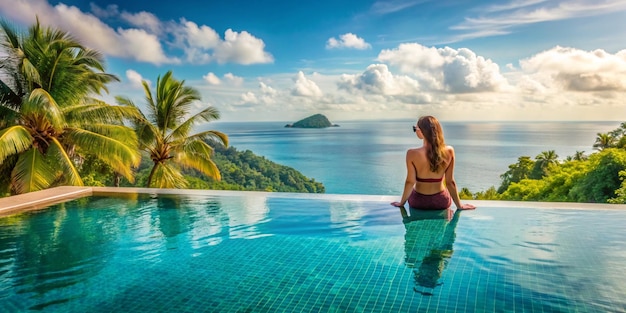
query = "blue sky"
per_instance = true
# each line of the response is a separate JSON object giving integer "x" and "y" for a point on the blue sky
{"x": 284, "y": 60}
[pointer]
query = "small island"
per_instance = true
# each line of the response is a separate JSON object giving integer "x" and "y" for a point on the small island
{"x": 313, "y": 121}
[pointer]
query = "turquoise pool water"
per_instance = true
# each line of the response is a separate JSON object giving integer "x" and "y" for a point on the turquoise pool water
{"x": 257, "y": 253}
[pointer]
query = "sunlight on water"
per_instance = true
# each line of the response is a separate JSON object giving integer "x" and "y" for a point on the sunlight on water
{"x": 259, "y": 252}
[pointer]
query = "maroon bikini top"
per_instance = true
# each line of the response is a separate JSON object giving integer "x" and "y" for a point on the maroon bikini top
{"x": 429, "y": 180}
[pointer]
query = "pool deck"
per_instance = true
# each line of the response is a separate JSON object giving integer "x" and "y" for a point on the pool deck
{"x": 40, "y": 199}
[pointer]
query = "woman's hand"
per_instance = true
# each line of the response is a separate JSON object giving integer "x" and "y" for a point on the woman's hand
{"x": 397, "y": 204}
{"x": 467, "y": 207}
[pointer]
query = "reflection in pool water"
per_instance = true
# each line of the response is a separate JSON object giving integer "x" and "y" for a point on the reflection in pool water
{"x": 428, "y": 244}
{"x": 258, "y": 252}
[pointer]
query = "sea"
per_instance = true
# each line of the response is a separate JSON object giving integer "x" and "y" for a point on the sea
{"x": 367, "y": 157}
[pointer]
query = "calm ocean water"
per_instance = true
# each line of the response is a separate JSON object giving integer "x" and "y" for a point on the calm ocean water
{"x": 367, "y": 157}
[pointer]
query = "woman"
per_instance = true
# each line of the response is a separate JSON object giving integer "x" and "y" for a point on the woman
{"x": 430, "y": 181}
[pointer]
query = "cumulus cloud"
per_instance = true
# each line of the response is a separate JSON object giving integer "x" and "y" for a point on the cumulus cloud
{"x": 249, "y": 97}
{"x": 347, "y": 41}
{"x": 233, "y": 79}
{"x": 305, "y": 87}
{"x": 577, "y": 70}
{"x": 446, "y": 69}
{"x": 241, "y": 48}
{"x": 134, "y": 78}
{"x": 229, "y": 78}
{"x": 144, "y": 20}
{"x": 143, "y": 41}
{"x": 212, "y": 79}
{"x": 265, "y": 96}
{"x": 377, "y": 79}
{"x": 267, "y": 90}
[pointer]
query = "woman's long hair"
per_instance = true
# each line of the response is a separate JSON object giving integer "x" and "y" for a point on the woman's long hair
{"x": 433, "y": 134}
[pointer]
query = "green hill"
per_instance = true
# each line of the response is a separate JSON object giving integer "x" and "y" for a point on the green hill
{"x": 313, "y": 121}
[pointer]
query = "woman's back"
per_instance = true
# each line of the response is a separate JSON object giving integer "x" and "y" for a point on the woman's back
{"x": 427, "y": 181}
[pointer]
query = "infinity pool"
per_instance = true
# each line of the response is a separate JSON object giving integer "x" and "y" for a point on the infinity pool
{"x": 250, "y": 252}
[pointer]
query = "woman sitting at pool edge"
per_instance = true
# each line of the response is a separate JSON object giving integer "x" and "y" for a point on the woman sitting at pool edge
{"x": 430, "y": 181}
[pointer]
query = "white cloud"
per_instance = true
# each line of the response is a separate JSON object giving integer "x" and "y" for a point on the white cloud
{"x": 502, "y": 18}
{"x": 143, "y": 41}
{"x": 377, "y": 79}
{"x": 241, "y": 48}
{"x": 229, "y": 78}
{"x": 267, "y": 90}
{"x": 305, "y": 87}
{"x": 135, "y": 79}
{"x": 144, "y": 20}
{"x": 195, "y": 36}
{"x": 577, "y": 70}
{"x": 349, "y": 41}
{"x": 212, "y": 79}
{"x": 446, "y": 69}
{"x": 249, "y": 97}
{"x": 233, "y": 80}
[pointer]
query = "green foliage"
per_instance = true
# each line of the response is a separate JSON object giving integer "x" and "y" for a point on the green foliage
{"x": 465, "y": 194}
{"x": 50, "y": 118}
{"x": 518, "y": 171}
{"x": 314, "y": 121}
{"x": 164, "y": 132}
{"x": 247, "y": 171}
{"x": 489, "y": 194}
{"x": 240, "y": 171}
{"x": 600, "y": 178}
{"x": 603, "y": 179}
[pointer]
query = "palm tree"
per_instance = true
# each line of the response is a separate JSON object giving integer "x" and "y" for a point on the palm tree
{"x": 165, "y": 133}
{"x": 47, "y": 80}
{"x": 543, "y": 161}
{"x": 578, "y": 156}
{"x": 604, "y": 141}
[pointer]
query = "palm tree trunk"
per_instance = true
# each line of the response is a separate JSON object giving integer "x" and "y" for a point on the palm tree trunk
{"x": 151, "y": 174}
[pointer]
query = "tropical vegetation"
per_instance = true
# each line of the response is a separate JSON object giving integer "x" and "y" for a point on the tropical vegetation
{"x": 50, "y": 118}
{"x": 54, "y": 131}
{"x": 599, "y": 177}
{"x": 164, "y": 133}
{"x": 242, "y": 170}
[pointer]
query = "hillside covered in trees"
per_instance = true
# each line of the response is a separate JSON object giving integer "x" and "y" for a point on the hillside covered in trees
{"x": 313, "y": 121}
{"x": 596, "y": 178}
{"x": 240, "y": 170}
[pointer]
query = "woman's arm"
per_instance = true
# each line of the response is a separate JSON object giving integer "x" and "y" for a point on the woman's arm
{"x": 451, "y": 184}
{"x": 409, "y": 181}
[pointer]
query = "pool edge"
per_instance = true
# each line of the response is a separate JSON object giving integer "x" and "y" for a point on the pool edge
{"x": 40, "y": 199}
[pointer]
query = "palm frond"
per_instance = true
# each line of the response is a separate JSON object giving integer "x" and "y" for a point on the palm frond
{"x": 13, "y": 140}
{"x": 207, "y": 115}
{"x": 211, "y": 135}
{"x": 41, "y": 102}
{"x": 30, "y": 72}
{"x": 31, "y": 173}
{"x": 98, "y": 111}
{"x": 115, "y": 145}
{"x": 167, "y": 176}
{"x": 57, "y": 155}
{"x": 198, "y": 157}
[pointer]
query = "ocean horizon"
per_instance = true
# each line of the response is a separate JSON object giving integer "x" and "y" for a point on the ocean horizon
{"x": 367, "y": 157}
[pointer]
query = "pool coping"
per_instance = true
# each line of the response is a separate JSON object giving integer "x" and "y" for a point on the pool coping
{"x": 43, "y": 198}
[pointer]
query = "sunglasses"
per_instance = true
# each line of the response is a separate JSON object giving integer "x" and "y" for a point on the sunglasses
{"x": 414, "y": 128}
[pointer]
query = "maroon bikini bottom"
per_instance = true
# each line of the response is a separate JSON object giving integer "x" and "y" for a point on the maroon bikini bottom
{"x": 438, "y": 201}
